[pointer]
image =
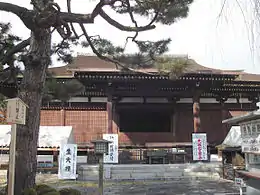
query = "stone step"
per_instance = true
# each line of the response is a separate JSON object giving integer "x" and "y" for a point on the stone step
{"x": 145, "y": 167}
{"x": 113, "y": 171}
{"x": 139, "y": 172}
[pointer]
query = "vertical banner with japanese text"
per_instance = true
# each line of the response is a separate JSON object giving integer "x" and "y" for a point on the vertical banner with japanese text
{"x": 112, "y": 156}
{"x": 67, "y": 161}
{"x": 199, "y": 146}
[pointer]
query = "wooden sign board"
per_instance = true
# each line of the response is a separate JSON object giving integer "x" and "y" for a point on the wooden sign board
{"x": 16, "y": 111}
{"x": 239, "y": 182}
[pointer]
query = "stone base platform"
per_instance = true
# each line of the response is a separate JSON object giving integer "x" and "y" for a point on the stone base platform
{"x": 149, "y": 172}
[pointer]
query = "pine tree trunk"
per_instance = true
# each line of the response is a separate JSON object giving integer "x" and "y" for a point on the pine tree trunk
{"x": 31, "y": 92}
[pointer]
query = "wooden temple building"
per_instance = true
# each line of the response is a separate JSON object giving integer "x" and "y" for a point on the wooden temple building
{"x": 150, "y": 110}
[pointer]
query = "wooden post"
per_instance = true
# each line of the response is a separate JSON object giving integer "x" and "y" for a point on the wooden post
{"x": 16, "y": 114}
{"x": 63, "y": 117}
{"x": 174, "y": 119}
{"x": 196, "y": 114}
{"x": 12, "y": 149}
{"x": 223, "y": 117}
{"x": 109, "y": 115}
{"x": 100, "y": 173}
{"x": 224, "y": 111}
{"x": 109, "y": 109}
{"x": 55, "y": 158}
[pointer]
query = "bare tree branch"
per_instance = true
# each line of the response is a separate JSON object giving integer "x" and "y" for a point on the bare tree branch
{"x": 76, "y": 18}
{"x": 24, "y": 14}
{"x": 85, "y": 18}
{"x": 130, "y": 11}
{"x": 8, "y": 7}
{"x": 27, "y": 16}
{"x": 100, "y": 5}
{"x": 115, "y": 61}
{"x": 149, "y": 24}
{"x": 94, "y": 13}
{"x": 156, "y": 14}
{"x": 122, "y": 27}
{"x": 7, "y": 58}
{"x": 95, "y": 50}
{"x": 20, "y": 46}
{"x": 71, "y": 25}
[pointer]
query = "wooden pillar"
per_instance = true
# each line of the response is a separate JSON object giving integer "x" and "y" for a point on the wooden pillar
{"x": 63, "y": 117}
{"x": 196, "y": 113}
{"x": 109, "y": 115}
{"x": 109, "y": 109}
{"x": 174, "y": 120}
{"x": 55, "y": 158}
{"x": 223, "y": 117}
{"x": 174, "y": 116}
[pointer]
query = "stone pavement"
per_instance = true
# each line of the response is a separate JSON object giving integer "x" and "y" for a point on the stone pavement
{"x": 182, "y": 186}
{"x": 170, "y": 187}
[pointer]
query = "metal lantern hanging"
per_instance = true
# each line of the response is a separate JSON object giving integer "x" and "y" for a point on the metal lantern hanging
{"x": 101, "y": 146}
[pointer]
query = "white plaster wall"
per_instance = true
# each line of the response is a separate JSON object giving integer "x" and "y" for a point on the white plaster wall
{"x": 252, "y": 191}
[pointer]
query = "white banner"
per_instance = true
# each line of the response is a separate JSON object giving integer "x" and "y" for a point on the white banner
{"x": 67, "y": 161}
{"x": 251, "y": 148}
{"x": 251, "y": 145}
{"x": 199, "y": 146}
{"x": 112, "y": 156}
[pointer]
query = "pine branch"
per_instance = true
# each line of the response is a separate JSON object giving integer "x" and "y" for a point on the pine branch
{"x": 96, "y": 51}
{"x": 106, "y": 58}
{"x": 122, "y": 27}
{"x": 27, "y": 16}
{"x": 19, "y": 47}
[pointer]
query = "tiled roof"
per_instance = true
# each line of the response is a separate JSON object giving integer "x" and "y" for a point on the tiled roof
{"x": 61, "y": 71}
{"x": 94, "y": 64}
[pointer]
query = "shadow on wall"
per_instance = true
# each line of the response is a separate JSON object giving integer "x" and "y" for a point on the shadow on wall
{"x": 141, "y": 138}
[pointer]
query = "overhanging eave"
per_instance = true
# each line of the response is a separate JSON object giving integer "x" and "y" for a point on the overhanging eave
{"x": 243, "y": 118}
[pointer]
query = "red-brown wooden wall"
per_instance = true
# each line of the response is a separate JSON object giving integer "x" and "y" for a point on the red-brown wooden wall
{"x": 88, "y": 125}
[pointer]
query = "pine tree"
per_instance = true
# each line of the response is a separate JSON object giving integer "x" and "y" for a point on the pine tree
{"x": 47, "y": 17}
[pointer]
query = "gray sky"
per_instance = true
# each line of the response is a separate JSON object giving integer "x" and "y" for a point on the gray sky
{"x": 225, "y": 42}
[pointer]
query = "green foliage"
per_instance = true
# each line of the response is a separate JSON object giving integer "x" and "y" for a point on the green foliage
{"x": 46, "y": 15}
{"x": 7, "y": 42}
{"x": 52, "y": 193}
{"x": 153, "y": 48}
{"x": 169, "y": 11}
{"x": 43, "y": 189}
{"x": 147, "y": 55}
{"x": 63, "y": 49}
{"x": 69, "y": 191}
{"x": 3, "y": 109}
{"x": 160, "y": 11}
{"x": 3, "y": 190}
{"x": 174, "y": 66}
{"x": 3, "y": 103}
{"x": 61, "y": 90}
{"x": 29, "y": 191}
{"x": 104, "y": 46}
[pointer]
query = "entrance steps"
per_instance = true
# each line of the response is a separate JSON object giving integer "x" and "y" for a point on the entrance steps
{"x": 149, "y": 172}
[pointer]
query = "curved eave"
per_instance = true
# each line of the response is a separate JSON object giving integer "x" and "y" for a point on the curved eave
{"x": 150, "y": 76}
{"x": 243, "y": 118}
